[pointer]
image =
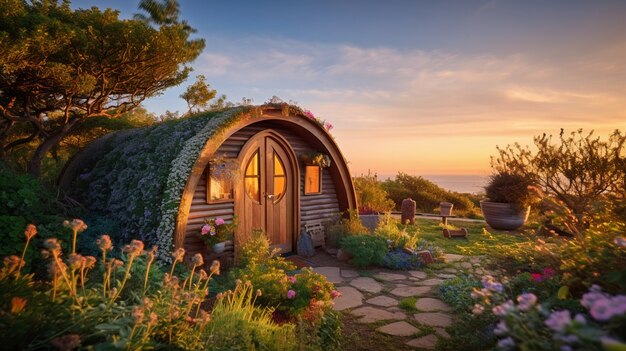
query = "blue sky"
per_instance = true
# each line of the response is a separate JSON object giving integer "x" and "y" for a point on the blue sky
{"x": 423, "y": 87}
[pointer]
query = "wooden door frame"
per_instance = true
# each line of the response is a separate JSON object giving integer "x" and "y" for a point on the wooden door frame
{"x": 246, "y": 151}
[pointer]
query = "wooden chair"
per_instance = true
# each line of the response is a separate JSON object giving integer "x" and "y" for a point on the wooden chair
{"x": 317, "y": 231}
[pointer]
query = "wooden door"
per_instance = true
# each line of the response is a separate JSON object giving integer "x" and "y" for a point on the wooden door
{"x": 268, "y": 194}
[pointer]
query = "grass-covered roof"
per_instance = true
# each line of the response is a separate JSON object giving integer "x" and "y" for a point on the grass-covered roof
{"x": 136, "y": 177}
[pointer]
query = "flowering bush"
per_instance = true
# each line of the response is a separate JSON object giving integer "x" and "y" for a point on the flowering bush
{"x": 400, "y": 260}
{"x": 216, "y": 230}
{"x": 83, "y": 304}
{"x": 295, "y": 295}
{"x": 365, "y": 249}
{"x": 529, "y": 324}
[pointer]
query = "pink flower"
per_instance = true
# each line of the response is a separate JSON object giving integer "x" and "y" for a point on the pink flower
{"x": 291, "y": 279}
{"x": 205, "y": 229}
{"x": 328, "y": 126}
{"x": 536, "y": 277}
{"x": 602, "y": 310}
{"x": 309, "y": 114}
{"x": 335, "y": 294}
{"x": 291, "y": 294}
{"x": 503, "y": 309}
{"x": 526, "y": 301}
{"x": 219, "y": 221}
{"x": 548, "y": 273}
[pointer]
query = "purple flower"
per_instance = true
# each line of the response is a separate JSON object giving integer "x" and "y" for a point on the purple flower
{"x": 503, "y": 309}
{"x": 620, "y": 241}
{"x": 558, "y": 320}
{"x": 526, "y": 301}
{"x": 602, "y": 310}
{"x": 566, "y": 348}
{"x": 219, "y": 221}
{"x": 291, "y": 294}
{"x": 506, "y": 343}
{"x": 501, "y": 329}
{"x": 580, "y": 319}
{"x": 570, "y": 339}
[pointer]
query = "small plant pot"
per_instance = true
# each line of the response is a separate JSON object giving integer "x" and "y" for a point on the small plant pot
{"x": 503, "y": 216}
{"x": 221, "y": 247}
{"x": 445, "y": 208}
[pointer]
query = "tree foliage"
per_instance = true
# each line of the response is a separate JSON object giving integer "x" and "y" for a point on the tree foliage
{"x": 582, "y": 171}
{"x": 198, "y": 95}
{"x": 60, "y": 67}
{"x": 371, "y": 197}
{"x": 426, "y": 194}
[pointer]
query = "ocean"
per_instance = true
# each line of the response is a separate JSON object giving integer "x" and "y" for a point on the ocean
{"x": 460, "y": 183}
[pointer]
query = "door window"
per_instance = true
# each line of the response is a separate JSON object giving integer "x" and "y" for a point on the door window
{"x": 252, "y": 178}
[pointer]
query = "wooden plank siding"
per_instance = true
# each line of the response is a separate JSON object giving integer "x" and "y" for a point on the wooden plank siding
{"x": 324, "y": 206}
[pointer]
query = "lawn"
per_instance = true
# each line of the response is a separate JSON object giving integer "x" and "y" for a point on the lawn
{"x": 480, "y": 240}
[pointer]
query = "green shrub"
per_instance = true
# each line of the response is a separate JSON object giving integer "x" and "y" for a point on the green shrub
{"x": 371, "y": 196}
{"x": 365, "y": 249}
{"x": 510, "y": 188}
{"x": 427, "y": 195}
{"x": 456, "y": 292}
{"x": 350, "y": 225}
{"x": 397, "y": 238}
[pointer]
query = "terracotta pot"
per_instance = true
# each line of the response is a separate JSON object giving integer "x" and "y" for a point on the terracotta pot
{"x": 503, "y": 215}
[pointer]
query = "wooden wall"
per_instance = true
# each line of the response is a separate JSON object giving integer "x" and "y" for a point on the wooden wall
{"x": 324, "y": 206}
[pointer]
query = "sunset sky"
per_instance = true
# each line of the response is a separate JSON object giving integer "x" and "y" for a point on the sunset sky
{"x": 422, "y": 87}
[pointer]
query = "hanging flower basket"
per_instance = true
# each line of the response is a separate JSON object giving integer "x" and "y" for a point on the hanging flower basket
{"x": 216, "y": 231}
{"x": 316, "y": 159}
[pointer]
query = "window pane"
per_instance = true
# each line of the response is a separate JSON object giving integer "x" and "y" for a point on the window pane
{"x": 312, "y": 179}
{"x": 253, "y": 166}
{"x": 279, "y": 186}
{"x": 252, "y": 187}
{"x": 278, "y": 166}
{"x": 220, "y": 183}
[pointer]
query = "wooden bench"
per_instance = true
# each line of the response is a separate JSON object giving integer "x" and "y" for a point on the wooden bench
{"x": 317, "y": 231}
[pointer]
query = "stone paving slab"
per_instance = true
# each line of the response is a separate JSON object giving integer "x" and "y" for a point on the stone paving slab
{"x": 428, "y": 304}
{"x": 407, "y": 291}
{"x": 425, "y": 342}
{"x": 331, "y": 274}
{"x": 442, "y": 332}
{"x": 435, "y": 319}
{"x": 366, "y": 284}
{"x": 453, "y": 257}
{"x": 350, "y": 297}
{"x": 349, "y": 273}
{"x": 390, "y": 276}
{"x": 383, "y": 301}
{"x": 418, "y": 274}
{"x": 431, "y": 282}
{"x": 398, "y": 329}
{"x": 445, "y": 275}
{"x": 372, "y": 314}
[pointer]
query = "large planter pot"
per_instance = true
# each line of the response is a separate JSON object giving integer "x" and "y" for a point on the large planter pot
{"x": 370, "y": 221}
{"x": 503, "y": 215}
{"x": 445, "y": 208}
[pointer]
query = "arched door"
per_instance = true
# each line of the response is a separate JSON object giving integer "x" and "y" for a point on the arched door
{"x": 267, "y": 201}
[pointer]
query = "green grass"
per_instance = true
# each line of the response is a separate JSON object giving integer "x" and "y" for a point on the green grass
{"x": 408, "y": 304}
{"x": 480, "y": 240}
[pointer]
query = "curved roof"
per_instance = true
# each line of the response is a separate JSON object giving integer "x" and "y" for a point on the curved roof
{"x": 139, "y": 177}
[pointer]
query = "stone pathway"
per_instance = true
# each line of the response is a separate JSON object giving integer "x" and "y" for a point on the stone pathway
{"x": 373, "y": 297}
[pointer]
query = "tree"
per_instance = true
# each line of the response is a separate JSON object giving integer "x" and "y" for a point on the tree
{"x": 60, "y": 67}
{"x": 198, "y": 95}
{"x": 582, "y": 171}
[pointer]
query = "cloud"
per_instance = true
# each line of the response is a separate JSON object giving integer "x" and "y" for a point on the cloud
{"x": 392, "y": 97}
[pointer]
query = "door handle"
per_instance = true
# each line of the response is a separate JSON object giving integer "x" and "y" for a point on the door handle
{"x": 270, "y": 196}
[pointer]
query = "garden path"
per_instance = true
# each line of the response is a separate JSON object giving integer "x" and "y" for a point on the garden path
{"x": 374, "y": 298}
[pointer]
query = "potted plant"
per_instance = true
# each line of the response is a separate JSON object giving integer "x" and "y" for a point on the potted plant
{"x": 508, "y": 200}
{"x": 217, "y": 233}
{"x": 316, "y": 159}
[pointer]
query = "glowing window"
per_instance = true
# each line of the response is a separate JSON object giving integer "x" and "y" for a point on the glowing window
{"x": 252, "y": 178}
{"x": 219, "y": 183}
{"x": 280, "y": 179}
{"x": 312, "y": 180}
